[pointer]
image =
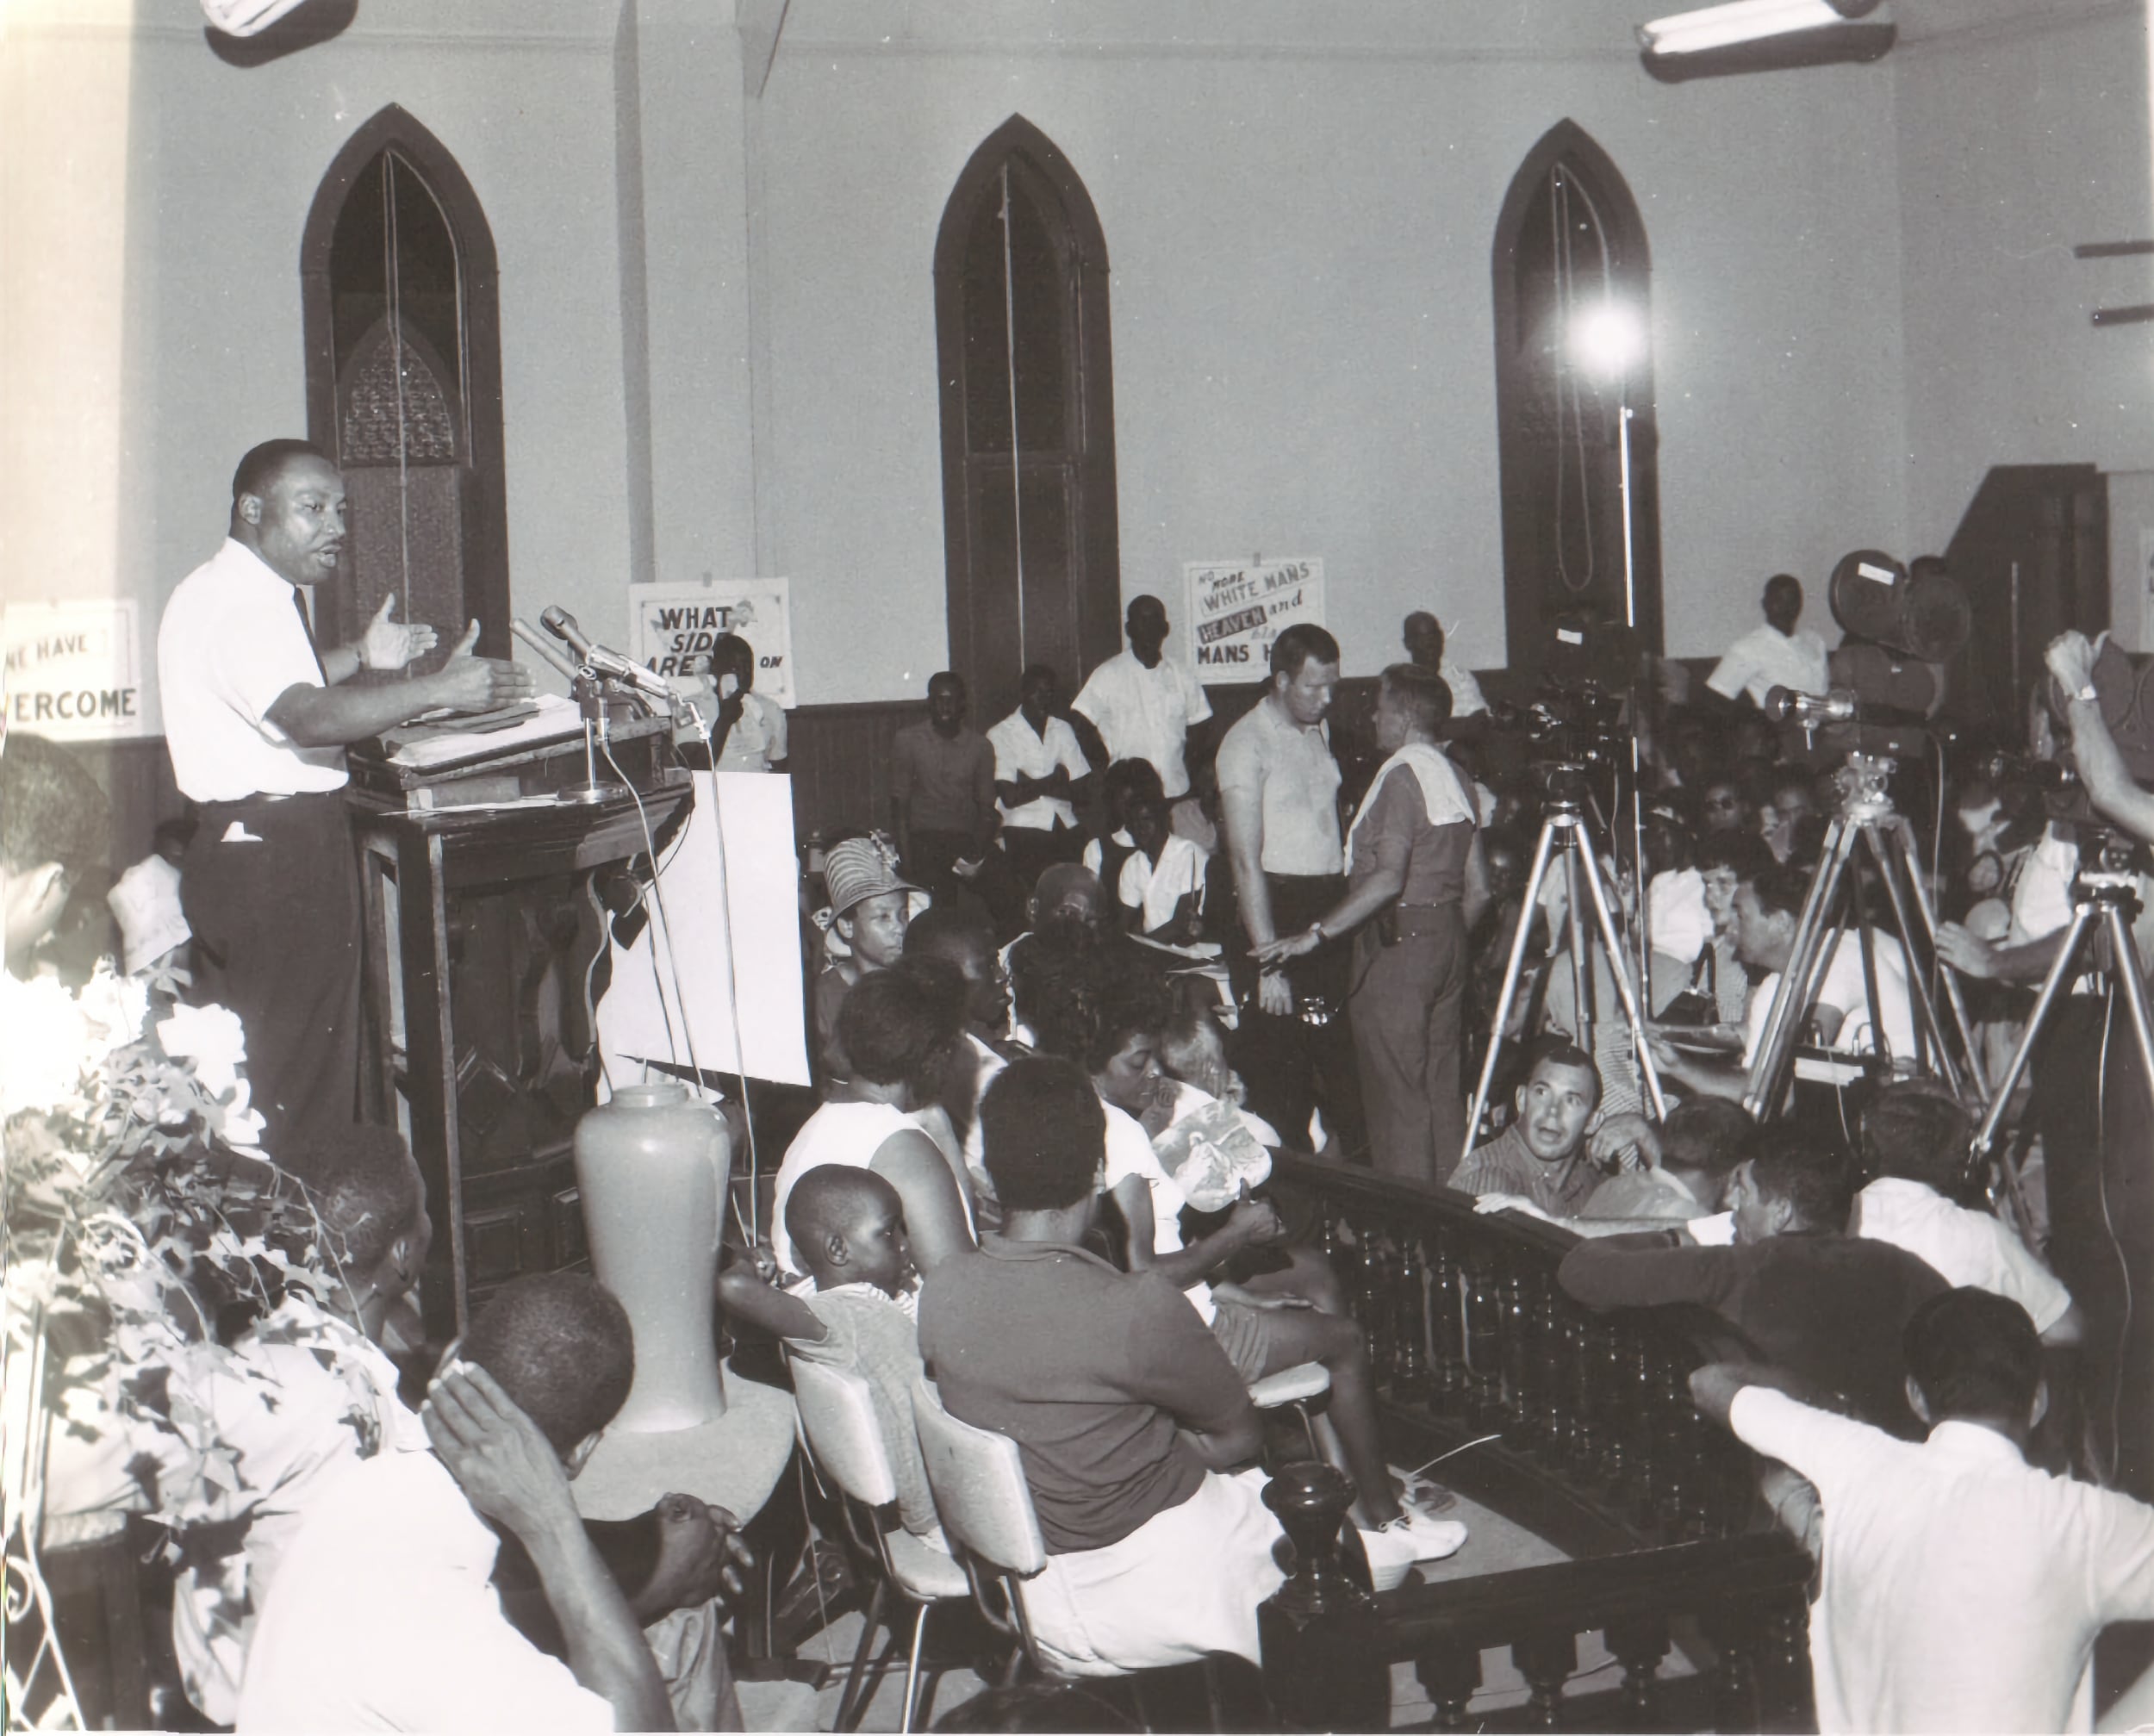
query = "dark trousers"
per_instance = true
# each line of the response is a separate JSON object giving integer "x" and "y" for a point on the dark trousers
{"x": 275, "y": 909}
{"x": 1408, "y": 1004}
{"x": 1305, "y": 1059}
{"x": 1032, "y": 851}
{"x": 2098, "y": 1164}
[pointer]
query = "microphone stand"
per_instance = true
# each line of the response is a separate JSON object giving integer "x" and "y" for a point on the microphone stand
{"x": 587, "y": 689}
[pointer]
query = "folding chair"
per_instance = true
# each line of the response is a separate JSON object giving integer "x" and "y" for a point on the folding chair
{"x": 838, "y": 1415}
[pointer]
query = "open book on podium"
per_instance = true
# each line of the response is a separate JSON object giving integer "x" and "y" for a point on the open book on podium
{"x": 520, "y": 755}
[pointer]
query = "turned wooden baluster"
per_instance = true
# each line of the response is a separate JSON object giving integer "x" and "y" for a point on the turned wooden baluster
{"x": 1639, "y": 1643}
{"x": 1373, "y": 1305}
{"x": 1483, "y": 1339}
{"x": 1545, "y": 1660}
{"x": 1732, "y": 1627}
{"x": 1550, "y": 1382}
{"x": 1672, "y": 1469}
{"x": 1515, "y": 1351}
{"x": 1784, "y": 1680}
{"x": 1451, "y": 1674}
{"x": 1410, "y": 1303}
{"x": 1447, "y": 1338}
{"x": 1581, "y": 1370}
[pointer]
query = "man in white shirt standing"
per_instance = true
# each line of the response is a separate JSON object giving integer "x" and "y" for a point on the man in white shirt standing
{"x": 1776, "y": 655}
{"x": 1961, "y": 1589}
{"x": 1038, "y": 770}
{"x": 1423, "y": 636}
{"x": 1144, "y": 706}
{"x": 256, "y": 720}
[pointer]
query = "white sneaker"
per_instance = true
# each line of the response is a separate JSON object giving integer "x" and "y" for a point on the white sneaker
{"x": 1432, "y": 1539}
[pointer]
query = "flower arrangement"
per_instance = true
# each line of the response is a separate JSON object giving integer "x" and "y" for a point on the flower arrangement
{"x": 143, "y": 1228}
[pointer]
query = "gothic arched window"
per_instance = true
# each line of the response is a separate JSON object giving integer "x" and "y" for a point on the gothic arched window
{"x": 1572, "y": 286}
{"x": 404, "y": 382}
{"x": 1032, "y": 549}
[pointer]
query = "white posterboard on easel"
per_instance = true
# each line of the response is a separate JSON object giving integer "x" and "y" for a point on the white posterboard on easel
{"x": 738, "y": 952}
{"x": 672, "y": 627}
{"x": 1236, "y": 608}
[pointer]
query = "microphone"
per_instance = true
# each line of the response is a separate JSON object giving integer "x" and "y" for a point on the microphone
{"x": 561, "y": 625}
{"x": 1809, "y": 710}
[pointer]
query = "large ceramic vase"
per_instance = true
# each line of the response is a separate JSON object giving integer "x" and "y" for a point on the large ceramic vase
{"x": 652, "y": 1166}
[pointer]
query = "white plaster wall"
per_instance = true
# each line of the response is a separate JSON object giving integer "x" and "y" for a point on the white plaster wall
{"x": 1302, "y": 323}
{"x": 2014, "y": 146}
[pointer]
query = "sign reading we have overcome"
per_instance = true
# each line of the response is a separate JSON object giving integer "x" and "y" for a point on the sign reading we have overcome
{"x": 672, "y": 627}
{"x": 1236, "y": 608}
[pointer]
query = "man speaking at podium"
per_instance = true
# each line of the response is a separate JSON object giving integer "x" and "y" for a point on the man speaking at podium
{"x": 256, "y": 720}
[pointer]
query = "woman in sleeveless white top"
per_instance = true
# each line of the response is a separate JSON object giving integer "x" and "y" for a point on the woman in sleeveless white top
{"x": 906, "y": 1021}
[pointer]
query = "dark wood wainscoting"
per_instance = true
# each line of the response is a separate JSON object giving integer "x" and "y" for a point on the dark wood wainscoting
{"x": 137, "y": 779}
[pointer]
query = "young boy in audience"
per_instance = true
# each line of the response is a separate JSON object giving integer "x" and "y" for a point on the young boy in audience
{"x": 856, "y": 1311}
{"x": 1961, "y": 1589}
{"x": 1915, "y": 1139}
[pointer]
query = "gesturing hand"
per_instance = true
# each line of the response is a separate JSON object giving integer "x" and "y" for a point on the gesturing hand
{"x": 1275, "y": 995}
{"x": 507, "y": 1470}
{"x": 1292, "y": 946}
{"x": 481, "y": 684}
{"x": 1966, "y": 951}
{"x": 2071, "y": 660}
{"x": 388, "y": 644}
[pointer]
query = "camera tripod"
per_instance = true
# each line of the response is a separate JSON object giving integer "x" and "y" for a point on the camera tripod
{"x": 1867, "y": 820}
{"x": 2105, "y": 893}
{"x": 1564, "y": 833}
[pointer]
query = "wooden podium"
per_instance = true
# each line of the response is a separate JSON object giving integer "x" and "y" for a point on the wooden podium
{"x": 483, "y": 925}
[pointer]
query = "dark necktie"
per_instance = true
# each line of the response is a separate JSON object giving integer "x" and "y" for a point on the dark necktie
{"x": 307, "y": 626}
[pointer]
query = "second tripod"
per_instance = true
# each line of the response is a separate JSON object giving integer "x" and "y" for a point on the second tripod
{"x": 1565, "y": 836}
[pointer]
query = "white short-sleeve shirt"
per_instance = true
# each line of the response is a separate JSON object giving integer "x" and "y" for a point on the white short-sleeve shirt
{"x": 1965, "y": 1247}
{"x": 385, "y": 1617}
{"x": 1020, "y": 753}
{"x": 1844, "y": 986}
{"x": 230, "y": 643}
{"x": 1765, "y": 658}
{"x": 1145, "y": 714}
{"x": 1961, "y": 1589}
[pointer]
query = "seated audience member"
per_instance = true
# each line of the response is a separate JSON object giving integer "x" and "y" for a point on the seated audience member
{"x": 1961, "y": 1589}
{"x": 1799, "y": 1293}
{"x": 1160, "y": 888}
{"x": 901, "y": 1028}
{"x": 1126, "y": 1411}
{"x": 943, "y": 792}
{"x": 1766, "y": 909}
{"x": 1423, "y": 637}
{"x": 1916, "y": 1138}
{"x": 1120, "y": 785}
{"x": 868, "y": 910}
{"x": 1724, "y": 808}
{"x": 1779, "y": 654}
{"x": 856, "y": 1311}
{"x": 1070, "y": 911}
{"x": 963, "y": 940}
{"x": 1109, "y": 1020}
{"x": 1039, "y": 771}
{"x": 383, "y": 1613}
{"x": 1686, "y": 1167}
{"x": 1789, "y": 804}
{"x": 1193, "y": 1050}
{"x": 1541, "y": 1157}
{"x": 1725, "y": 860}
{"x": 755, "y": 726}
{"x": 55, "y": 825}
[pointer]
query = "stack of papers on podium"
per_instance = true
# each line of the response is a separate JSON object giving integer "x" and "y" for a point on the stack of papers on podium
{"x": 556, "y": 717}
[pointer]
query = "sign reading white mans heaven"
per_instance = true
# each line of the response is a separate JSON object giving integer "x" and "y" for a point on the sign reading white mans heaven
{"x": 672, "y": 627}
{"x": 74, "y": 670}
{"x": 1236, "y": 608}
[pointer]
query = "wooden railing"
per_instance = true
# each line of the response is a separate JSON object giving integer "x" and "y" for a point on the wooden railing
{"x": 1597, "y": 1450}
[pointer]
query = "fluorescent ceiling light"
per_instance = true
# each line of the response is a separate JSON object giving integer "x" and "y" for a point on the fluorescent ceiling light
{"x": 1744, "y": 20}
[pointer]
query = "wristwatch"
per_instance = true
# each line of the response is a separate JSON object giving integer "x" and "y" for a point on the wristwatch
{"x": 1317, "y": 928}
{"x": 2086, "y": 695}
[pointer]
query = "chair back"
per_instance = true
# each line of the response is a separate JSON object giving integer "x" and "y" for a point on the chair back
{"x": 838, "y": 1413}
{"x": 978, "y": 1478}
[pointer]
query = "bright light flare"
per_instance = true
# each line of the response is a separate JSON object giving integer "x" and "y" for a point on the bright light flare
{"x": 1606, "y": 339}
{"x": 1744, "y": 20}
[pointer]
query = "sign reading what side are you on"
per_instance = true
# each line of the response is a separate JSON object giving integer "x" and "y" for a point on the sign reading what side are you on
{"x": 672, "y": 627}
{"x": 74, "y": 670}
{"x": 1236, "y": 608}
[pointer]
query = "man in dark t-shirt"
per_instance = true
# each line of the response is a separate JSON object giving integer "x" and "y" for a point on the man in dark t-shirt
{"x": 1124, "y": 1406}
{"x": 1794, "y": 1290}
